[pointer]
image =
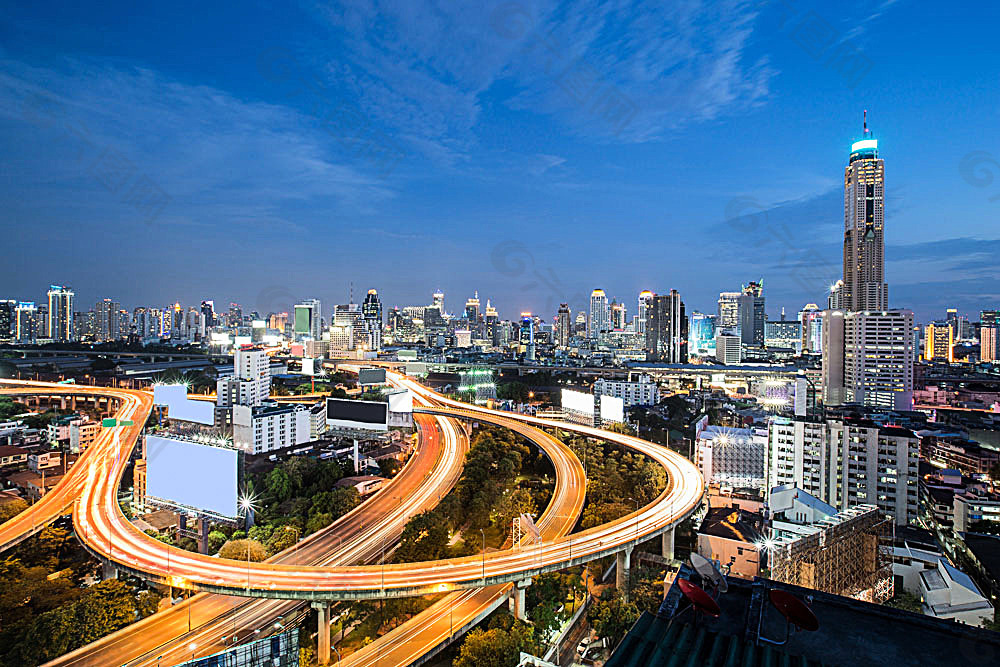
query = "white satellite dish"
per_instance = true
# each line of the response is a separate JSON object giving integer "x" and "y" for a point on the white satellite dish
{"x": 709, "y": 571}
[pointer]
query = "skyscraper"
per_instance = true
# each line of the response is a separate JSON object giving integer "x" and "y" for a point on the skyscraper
{"x": 645, "y": 297}
{"x": 939, "y": 342}
{"x": 752, "y": 314}
{"x": 208, "y": 310}
{"x": 106, "y": 320}
{"x": 25, "y": 322}
{"x": 989, "y": 328}
{"x": 438, "y": 301}
{"x": 667, "y": 329}
{"x": 59, "y": 323}
{"x": 371, "y": 311}
{"x": 878, "y": 358}
{"x": 308, "y": 319}
{"x": 7, "y": 307}
{"x": 600, "y": 314}
{"x": 563, "y": 325}
{"x": 728, "y": 316}
{"x": 864, "y": 244}
{"x": 618, "y": 316}
{"x": 472, "y": 309}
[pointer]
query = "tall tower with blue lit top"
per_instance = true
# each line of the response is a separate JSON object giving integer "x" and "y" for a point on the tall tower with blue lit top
{"x": 864, "y": 242}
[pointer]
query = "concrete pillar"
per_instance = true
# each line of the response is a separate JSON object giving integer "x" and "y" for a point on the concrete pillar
{"x": 518, "y": 593}
{"x": 621, "y": 570}
{"x": 203, "y": 524}
{"x": 322, "y": 632}
{"x": 109, "y": 570}
{"x": 62, "y": 403}
{"x": 668, "y": 544}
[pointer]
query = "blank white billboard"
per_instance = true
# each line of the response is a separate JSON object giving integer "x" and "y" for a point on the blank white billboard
{"x": 401, "y": 401}
{"x": 612, "y": 409}
{"x": 308, "y": 366}
{"x": 190, "y": 474}
{"x": 578, "y": 401}
{"x": 180, "y": 407}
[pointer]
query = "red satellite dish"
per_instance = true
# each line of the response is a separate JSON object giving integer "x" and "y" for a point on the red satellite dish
{"x": 699, "y": 599}
{"x": 794, "y": 610}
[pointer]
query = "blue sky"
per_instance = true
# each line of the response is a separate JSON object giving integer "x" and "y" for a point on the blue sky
{"x": 530, "y": 150}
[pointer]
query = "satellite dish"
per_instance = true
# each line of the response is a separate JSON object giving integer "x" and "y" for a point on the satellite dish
{"x": 794, "y": 610}
{"x": 709, "y": 572}
{"x": 699, "y": 599}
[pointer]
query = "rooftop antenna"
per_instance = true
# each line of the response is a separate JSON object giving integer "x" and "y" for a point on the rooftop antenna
{"x": 866, "y": 122}
{"x": 351, "y": 292}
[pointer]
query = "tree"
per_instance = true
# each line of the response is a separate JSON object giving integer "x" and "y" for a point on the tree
{"x": 905, "y": 601}
{"x": 611, "y": 617}
{"x": 11, "y": 509}
{"x": 512, "y": 504}
{"x": 279, "y": 485}
{"x": 513, "y": 391}
{"x": 318, "y": 522}
{"x": 238, "y": 550}
{"x": 343, "y": 501}
{"x": 216, "y": 539}
{"x": 282, "y": 538}
{"x": 496, "y": 647}
{"x": 425, "y": 537}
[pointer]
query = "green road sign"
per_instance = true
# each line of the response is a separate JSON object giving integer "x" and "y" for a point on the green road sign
{"x": 126, "y": 422}
{"x": 109, "y": 422}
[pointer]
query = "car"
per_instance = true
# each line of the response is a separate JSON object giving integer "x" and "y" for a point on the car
{"x": 581, "y": 650}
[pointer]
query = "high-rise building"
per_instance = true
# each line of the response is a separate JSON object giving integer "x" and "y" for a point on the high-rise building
{"x": 472, "y": 309}
{"x": 846, "y": 463}
{"x": 618, "y": 316}
{"x": 371, "y": 311}
{"x": 348, "y": 321}
{"x": 727, "y": 348}
{"x": 107, "y": 322}
{"x": 563, "y": 325}
{"x": 864, "y": 287}
{"x": 25, "y": 322}
{"x": 833, "y": 350}
{"x": 989, "y": 327}
{"x": 878, "y": 358}
{"x": 600, "y": 314}
{"x": 208, "y": 310}
{"x": 835, "y": 299}
{"x": 235, "y": 315}
{"x": 7, "y": 307}
{"x": 438, "y": 301}
{"x": 250, "y": 383}
{"x": 59, "y": 323}
{"x": 782, "y": 334}
{"x": 701, "y": 335}
{"x": 645, "y": 297}
{"x": 667, "y": 329}
{"x": 728, "y": 316}
{"x": 939, "y": 342}
{"x": 309, "y": 319}
{"x": 751, "y": 314}
{"x": 810, "y": 317}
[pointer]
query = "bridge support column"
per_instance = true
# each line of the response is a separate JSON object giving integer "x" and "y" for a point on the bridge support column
{"x": 322, "y": 632}
{"x": 518, "y": 594}
{"x": 109, "y": 570}
{"x": 668, "y": 544}
{"x": 622, "y": 566}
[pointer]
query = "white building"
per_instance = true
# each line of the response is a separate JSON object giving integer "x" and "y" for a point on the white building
{"x": 728, "y": 349}
{"x": 974, "y": 505}
{"x": 878, "y": 358}
{"x": 643, "y": 391}
{"x": 945, "y": 591}
{"x": 251, "y": 380}
{"x": 732, "y": 456}
{"x": 847, "y": 463}
{"x": 600, "y": 314}
{"x": 271, "y": 426}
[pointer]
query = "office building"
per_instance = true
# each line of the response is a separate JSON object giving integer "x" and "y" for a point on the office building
{"x": 751, "y": 314}
{"x": 728, "y": 349}
{"x": 878, "y": 358}
{"x": 208, "y": 310}
{"x": 472, "y": 309}
{"x": 270, "y": 426}
{"x": 939, "y": 342}
{"x": 7, "y": 307}
{"x": 988, "y": 337}
{"x": 492, "y": 323}
{"x": 641, "y": 391}
{"x": 438, "y": 302}
{"x": 308, "y": 319}
{"x": 701, "y": 335}
{"x": 864, "y": 286}
{"x": 782, "y": 334}
{"x": 25, "y": 322}
{"x": 810, "y": 318}
{"x": 562, "y": 327}
{"x": 600, "y": 314}
{"x": 666, "y": 329}
{"x": 728, "y": 316}
{"x": 59, "y": 322}
{"x": 835, "y": 299}
{"x": 371, "y": 313}
{"x": 645, "y": 298}
{"x": 250, "y": 383}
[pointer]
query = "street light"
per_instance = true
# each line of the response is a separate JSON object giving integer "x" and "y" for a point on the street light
{"x": 483, "y": 532}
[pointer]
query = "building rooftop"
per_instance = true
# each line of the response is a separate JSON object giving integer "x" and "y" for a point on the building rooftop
{"x": 851, "y": 632}
{"x": 733, "y": 524}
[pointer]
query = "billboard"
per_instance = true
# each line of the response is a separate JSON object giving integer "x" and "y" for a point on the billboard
{"x": 578, "y": 401}
{"x": 180, "y": 407}
{"x": 367, "y": 415}
{"x": 308, "y": 366}
{"x": 371, "y": 376}
{"x": 401, "y": 401}
{"x": 612, "y": 409}
{"x": 196, "y": 475}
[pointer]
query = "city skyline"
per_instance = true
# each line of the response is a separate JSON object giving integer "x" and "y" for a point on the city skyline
{"x": 238, "y": 151}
